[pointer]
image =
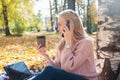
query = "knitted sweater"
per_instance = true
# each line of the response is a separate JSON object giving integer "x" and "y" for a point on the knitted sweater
{"x": 79, "y": 59}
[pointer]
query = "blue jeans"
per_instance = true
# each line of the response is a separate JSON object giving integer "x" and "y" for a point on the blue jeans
{"x": 53, "y": 73}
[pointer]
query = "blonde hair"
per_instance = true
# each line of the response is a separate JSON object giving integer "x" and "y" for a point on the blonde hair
{"x": 75, "y": 25}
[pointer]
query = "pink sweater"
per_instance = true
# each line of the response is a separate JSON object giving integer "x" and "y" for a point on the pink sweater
{"x": 78, "y": 60}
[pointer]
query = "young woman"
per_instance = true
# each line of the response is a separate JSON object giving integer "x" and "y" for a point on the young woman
{"x": 74, "y": 59}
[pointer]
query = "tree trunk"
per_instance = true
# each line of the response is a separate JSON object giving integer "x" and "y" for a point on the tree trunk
{"x": 78, "y": 9}
{"x": 56, "y": 9}
{"x": 51, "y": 17}
{"x": 89, "y": 28}
{"x": 4, "y": 10}
{"x": 64, "y": 6}
{"x": 71, "y": 4}
{"x": 108, "y": 38}
{"x": 107, "y": 73}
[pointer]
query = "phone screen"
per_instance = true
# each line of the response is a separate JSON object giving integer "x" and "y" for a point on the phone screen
{"x": 68, "y": 25}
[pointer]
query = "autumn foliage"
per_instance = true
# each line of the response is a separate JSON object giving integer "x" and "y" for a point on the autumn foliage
{"x": 14, "y": 49}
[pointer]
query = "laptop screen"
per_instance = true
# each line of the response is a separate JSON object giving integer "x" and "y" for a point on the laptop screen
{"x": 17, "y": 71}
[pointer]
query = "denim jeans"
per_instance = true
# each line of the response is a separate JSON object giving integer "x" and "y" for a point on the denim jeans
{"x": 53, "y": 73}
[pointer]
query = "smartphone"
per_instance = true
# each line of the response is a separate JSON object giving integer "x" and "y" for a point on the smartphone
{"x": 41, "y": 40}
{"x": 68, "y": 25}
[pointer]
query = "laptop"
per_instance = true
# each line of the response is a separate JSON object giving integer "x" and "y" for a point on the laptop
{"x": 17, "y": 71}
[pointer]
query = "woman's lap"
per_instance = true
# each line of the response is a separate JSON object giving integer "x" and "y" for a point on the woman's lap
{"x": 53, "y": 73}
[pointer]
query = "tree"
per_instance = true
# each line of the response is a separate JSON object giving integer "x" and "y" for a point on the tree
{"x": 20, "y": 11}
{"x": 91, "y": 16}
{"x": 51, "y": 17}
{"x": 89, "y": 28}
{"x": 64, "y": 6}
{"x": 56, "y": 8}
{"x": 71, "y": 4}
{"x": 36, "y": 21}
{"x": 108, "y": 40}
{"x": 5, "y": 15}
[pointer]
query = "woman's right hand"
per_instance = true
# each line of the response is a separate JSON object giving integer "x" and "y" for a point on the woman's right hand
{"x": 42, "y": 51}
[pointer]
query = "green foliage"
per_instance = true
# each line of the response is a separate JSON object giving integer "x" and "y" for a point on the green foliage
{"x": 36, "y": 23}
{"x": 94, "y": 27}
{"x": 19, "y": 28}
{"x": 1, "y": 21}
{"x": 79, "y": 2}
{"x": 32, "y": 29}
{"x": 17, "y": 10}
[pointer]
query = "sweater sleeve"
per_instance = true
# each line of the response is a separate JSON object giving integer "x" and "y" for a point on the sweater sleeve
{"x": 56, "y": 62}
{"x": 72, "y": 60}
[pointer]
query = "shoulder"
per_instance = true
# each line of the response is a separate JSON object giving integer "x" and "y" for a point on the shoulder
{"x": 85, "y": 41}
{"x": 84, "y": 45}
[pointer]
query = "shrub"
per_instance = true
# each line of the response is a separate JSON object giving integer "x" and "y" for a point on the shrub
{"x": 18, "y": 29}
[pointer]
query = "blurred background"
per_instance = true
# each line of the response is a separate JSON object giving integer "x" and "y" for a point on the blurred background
{"x": 19, "y": 16}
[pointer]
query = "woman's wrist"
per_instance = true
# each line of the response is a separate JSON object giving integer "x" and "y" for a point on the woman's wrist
{"x": 50, "y": 61}
{"x": 46, "y": 57}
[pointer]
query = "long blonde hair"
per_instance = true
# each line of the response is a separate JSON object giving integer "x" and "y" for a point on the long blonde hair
{"x": 75, "y": 25}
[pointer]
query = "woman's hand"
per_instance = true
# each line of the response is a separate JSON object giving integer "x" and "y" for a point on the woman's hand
{"x": 42, "y": 51}
{"x": 67, "y": 35}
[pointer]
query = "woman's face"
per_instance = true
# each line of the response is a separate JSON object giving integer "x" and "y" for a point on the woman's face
{"x": 61, "y": 24}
